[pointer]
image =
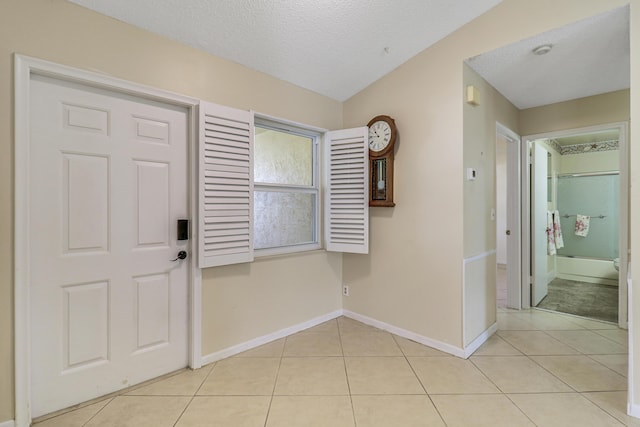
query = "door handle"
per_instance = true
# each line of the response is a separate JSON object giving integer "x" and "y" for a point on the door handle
{"x": 508, "y": 232}
{"x": 181, "y": 255}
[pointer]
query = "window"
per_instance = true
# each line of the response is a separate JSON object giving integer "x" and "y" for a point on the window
{"x": 259, "y": 187}
{"x": 286, "y": 188}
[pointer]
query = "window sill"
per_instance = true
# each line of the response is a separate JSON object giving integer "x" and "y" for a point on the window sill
{"x": 285, "y": 250}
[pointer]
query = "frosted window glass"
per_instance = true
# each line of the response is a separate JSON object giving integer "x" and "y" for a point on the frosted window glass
{"x": 282, "y": 158}
{"x": 283, "y": 219}
{"x": 285, "y": 188}
{"x": 593, "y": 196}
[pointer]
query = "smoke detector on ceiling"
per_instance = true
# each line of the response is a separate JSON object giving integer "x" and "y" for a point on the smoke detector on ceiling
{"x": 542, "y": 50}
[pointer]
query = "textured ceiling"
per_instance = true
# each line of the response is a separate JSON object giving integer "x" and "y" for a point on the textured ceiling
{"x": 333, "y": 47}
{"x": 589, "y": 57}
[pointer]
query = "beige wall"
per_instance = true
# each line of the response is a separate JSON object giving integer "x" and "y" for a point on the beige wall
{"x": 480, "y": 231}
{"x": 413, "y": 277}
{"x": 480, "y": 154}
{"x": 602, "y": 161}
{"x": 267, "y": 295}
{"x": 239, "y": 303}
{"x": 594, "y": 110}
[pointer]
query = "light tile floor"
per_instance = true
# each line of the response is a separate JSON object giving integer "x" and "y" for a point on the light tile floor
{"x": 540, "y": 369}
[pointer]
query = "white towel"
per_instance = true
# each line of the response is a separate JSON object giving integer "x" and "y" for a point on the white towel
{"x": 582, "y": 225}
{"x": 551, "y": 240}
{"x": 557, "y": 230}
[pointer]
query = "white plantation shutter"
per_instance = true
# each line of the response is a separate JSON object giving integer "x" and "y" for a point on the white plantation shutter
{"x": 347, "y": 195}
{"x": 225, "y": 186}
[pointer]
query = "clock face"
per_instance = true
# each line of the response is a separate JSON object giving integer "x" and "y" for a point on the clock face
{"x": 379, "y": 135}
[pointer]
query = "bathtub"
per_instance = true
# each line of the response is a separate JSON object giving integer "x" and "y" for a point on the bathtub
{"x": 590, "y": 270}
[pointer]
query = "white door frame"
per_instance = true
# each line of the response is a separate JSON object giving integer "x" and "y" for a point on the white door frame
{"x": 623, "y": 129}
{"x": 24, "y": 67}
{"x": 514, "y": 218}
{"x": 538, "y": 227}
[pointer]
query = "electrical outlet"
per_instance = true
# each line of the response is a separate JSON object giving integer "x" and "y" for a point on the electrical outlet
{"x": 345, "y": 290}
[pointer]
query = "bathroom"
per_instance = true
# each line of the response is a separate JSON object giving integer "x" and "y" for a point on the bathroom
{"x": 576, "y": 192}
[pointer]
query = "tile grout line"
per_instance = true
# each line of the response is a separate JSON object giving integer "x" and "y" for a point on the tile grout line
{"x": 346, "y": 374}
{"x": 602, "y": 408}
{"x": 195, "y": 393}
{"x": 590, "y": 356}
{"x": 273, "y": 391}
{"x": 100, "y": 410}
{"x": 419, "y": 380}
{"x": 519, "y": 408}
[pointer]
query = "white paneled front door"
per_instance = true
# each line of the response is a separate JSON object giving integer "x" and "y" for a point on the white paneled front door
{"x": 108, "y": 179}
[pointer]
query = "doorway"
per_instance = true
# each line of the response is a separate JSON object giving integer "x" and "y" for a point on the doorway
{"x": 579, "y": 222}
{"x": 508, "y": 219}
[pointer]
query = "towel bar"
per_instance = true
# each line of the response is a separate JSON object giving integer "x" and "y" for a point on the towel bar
{"x": 593, "y": 216}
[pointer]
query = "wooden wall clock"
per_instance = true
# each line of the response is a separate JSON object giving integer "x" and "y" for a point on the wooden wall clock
{"x": 382, "y": 139}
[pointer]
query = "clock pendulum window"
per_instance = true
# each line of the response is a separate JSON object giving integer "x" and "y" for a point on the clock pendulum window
{"x": 382, "y": 138}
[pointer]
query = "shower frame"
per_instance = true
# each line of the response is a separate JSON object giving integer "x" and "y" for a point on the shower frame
{"x": 593, "y": 215}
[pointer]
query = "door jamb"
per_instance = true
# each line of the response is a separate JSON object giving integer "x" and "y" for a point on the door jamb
{"x": 24, "y": 67}
{"x": 514, "y": 292}
{"x": 525, "y": 200}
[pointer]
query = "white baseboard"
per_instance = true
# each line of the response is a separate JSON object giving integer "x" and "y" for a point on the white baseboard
{"x": 633, "y": 410}
{"x": 265, "y": 339}
{"x": 9, "y": 423}
{"x": 438, "y": 345}
{"x": 482, "y": 338}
